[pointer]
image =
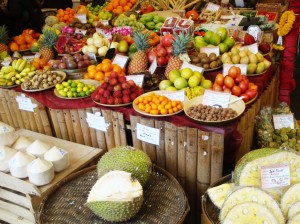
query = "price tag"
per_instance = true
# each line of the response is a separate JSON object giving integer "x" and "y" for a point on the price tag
{"x": 104, "y": 33}
{"x": 173, "y": 95}
{"x": 226, "y": 67}
{"x": 153, "y": 66}
{"x": 25, "y": 103}
{"x": 120, "y": 60}
{"x": 37, "y": 55}
{"x": 254, "y": 31}
{"x": 4, "y": 129}
{"x": 283, "y": 121}
{"x": 209, "y": 50}
{"x": 62, "y": 152}
{"x": 275, "y": 176}
{"x": 213, "y": 97}
{"x": 279, "y": 41}
{"x": 80, "y": 31}
{"x": 81, "y": 17}
{"x": 96, "y": 121}
{"x": 28, "y": 57}
{"x": 104, "y": 22}
{"x": 253, "y": 48}
{"x": 148, "y": 134}
{"x": 212, "y": 7}
{"x": 239, "y": 3}
{"x": 138, "y": 79}
{"x": 92, "y": 56}
{"x": 6, "y": 62}
{"x": 193, "y": 67}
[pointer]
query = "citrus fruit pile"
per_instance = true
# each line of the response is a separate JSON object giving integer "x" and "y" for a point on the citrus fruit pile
{"x": 100, "y": 71}
{"x": 74, "y": 89}
{"x": 120, "y": 6}
{"x": 65, "y": 15}
{"x": 156, "y": 104}
{"x": 24, "y": 41}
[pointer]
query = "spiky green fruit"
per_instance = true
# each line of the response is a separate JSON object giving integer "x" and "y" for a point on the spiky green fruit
{"x": 116, "y": 196}
{"x": 127, "y": 159}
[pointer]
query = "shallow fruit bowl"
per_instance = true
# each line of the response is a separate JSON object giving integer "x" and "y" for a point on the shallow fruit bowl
{"x": 238, "y": 106}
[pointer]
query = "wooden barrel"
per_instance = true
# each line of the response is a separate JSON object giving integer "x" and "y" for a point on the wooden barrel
{"x": 210, "y": 213}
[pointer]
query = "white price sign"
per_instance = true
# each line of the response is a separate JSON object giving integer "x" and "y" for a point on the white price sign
{"x": 153, "y": 66}
{"x": 92, "y": 56}
{"x": 96, "y": 121}
{"x": 120, "y": 60}
{"x": 80, "y": 31}
{"x": 6, "y": 62}
{"x": 138, "y": 79}
{"x": 283, "y": 121}
{"x": 212, "y": 7}
{"x": 211, "y": 97}
{"x": 193, "y": 67}
{"x": 25, "y": 103}
{"x": 81, "y": 17}
{"x": 173, "y": 95}
{"x": 209, "y": 50}
{"x": 148, "y": 134}
{"x": 28, "y": 57}
{"x": 275, "y": 176}
{"x": 226, "y": 67}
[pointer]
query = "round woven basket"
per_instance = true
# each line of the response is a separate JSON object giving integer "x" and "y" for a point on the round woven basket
{"x": 164, "y": 200}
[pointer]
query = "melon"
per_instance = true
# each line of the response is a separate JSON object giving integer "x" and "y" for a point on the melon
{"x": 219, "y": 193}
{"x": 116, "y": 196}
{"x": 51, "y": 20}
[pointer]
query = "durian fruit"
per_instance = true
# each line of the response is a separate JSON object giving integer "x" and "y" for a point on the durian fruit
{"x": 250, "y": 212}
{"x": 295, "y": 219}
{"x": 290, "y": 197}
{"x": 21, "y": 143}
{"x": 5, "y": 155}
{"x": 219, "y": 193}
{"x": 293, "y": 210}
{"x": 116, "y": 196}
{"x": 18, "y": 164}
{"x": 59, "y": 158}
{"x": 38, "y": 148}
{"x": 40, "y": 172}
{"x": 127, "y": 159}
{"x": 7, "y": 134}
{"x": 252, "y": 194}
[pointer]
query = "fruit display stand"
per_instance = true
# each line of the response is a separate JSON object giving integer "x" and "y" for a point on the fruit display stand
{"x": 20, "y": 199}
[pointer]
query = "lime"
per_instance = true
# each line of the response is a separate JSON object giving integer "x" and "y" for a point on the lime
{"x": 87, "y": 93}
{"x": 70, "y": 81}
{"x": 66, "y": 89}
{"x": 75, "y": 94}
{"x": 85, "y": 89}
{"x": 80, "y": 84}
{"x": 79, "y": 89}
{"x": 74, "y": 84}
{"x": 62, "y": 93}
{"x": 82, "y": 94}
{"x": 65, "y": 84}
{"x": 73, "y": 89}
{"x": 70, "y": 94}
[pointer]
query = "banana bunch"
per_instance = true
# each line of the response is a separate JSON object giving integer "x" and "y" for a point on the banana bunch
{"x": 15, "y": 73}
{"x": 192, "y": 92}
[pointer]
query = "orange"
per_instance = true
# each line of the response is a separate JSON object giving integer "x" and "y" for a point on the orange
{"x": 117, "y": 68}
{"x": 107, "y": 67}
{"x": 36, "y": 65}
{"x": 99, "y": 76}
{"x": 170, "y": 111}
{"x": 86, "y": 76}
{"x": 123, "y": 2}
{"x": 106, "y": 60}
{"x": 154, "y": 112}
{"x": 129, "y": 4}
{"x": 43, "y": 62}
{"x": 92, "y": 74}
{"x": 179, "y": 106}
{"x": 118, "y": 11}
{"x": 126, "y": 8}
{"x": 60, "y": 12}
{"x": 66, "y": 17}
{"x": 109, "y": 7}
{"x": 99, "y": 67}
{"x": 163, "y": 111}
{"x": 107, "y": 73}
{"x": 141, "y": 106}
{"x": 133, "y": 1}
{"x": 91, "y": 67}
{"x": 115, "y": 3}
{"x": 23, "y": 47}
{"x": 136, "y": 101}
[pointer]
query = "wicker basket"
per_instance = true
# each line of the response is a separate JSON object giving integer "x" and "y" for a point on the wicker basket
{"x": 164, "y": 202}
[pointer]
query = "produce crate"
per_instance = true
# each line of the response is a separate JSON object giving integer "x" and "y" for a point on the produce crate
{"x": 270, "y": 7}
{"x": 19, "y": 199}
{"x": 272, "y": 16}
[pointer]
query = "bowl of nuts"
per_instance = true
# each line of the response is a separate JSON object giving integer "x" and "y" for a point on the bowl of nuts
{"x": 211, "y": 115}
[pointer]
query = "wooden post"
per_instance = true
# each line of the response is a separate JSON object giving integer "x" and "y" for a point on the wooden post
{"x": 110, "y": 140}
{"x": 133, "y": 121}
{"x": 149, "y": 148}
{"x": 92, "y": 131}
{"x": 160, "y": 149}
{"x": 69, "y": 124}
{"x": 171, "y": 148}
{"x": 76, "y": 126}
{"x": 62, "y": 124}
{"x": 84, "y": 127}
{"x": 53, "y": 119}
{"x": 182, "y": 145}
{"x": 217, "y": 154}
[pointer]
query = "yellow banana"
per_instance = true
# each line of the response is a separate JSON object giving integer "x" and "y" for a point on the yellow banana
{"x": 18, "y": 63}
{"x": 22, "y": 65}
{"x": 10, "y": 75}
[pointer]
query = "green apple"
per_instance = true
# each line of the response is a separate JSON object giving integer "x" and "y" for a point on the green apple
{"x": 215, "y": 39}
{"x": 229, "y": 42}
{"x": 207, "y": 36}
{"x": 194, "y": 80}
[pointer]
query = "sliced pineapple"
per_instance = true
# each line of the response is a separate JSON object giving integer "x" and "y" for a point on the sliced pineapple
{"x": 250, "y": 213}
{"x": 219, "y": 193}
{"x": 290, "y": 197}
{"x": 295, "y": 219}
{"x": 252, "y": 194}
{"x": 293, "y": 210}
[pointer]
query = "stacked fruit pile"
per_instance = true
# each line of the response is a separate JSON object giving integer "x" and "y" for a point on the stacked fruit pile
{"x": 74, "y": 89}
{"x": 97, "y": 45}
{"x": 65, "y": 16}
{"x": 152, "y": 21}
{"x": 118, "y": 7}
{"x": 24, "y": 41}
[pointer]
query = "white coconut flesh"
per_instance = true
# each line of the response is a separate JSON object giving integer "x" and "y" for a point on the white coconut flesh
{"x": 21, "y": 143}
{"x": 5, "y": 155}
{"x": 7, "y": 134}
{"x": 18, "y": 164}
{"x": 115, "y": 186}
{"x": 38, "y": 148}
{"x": 40, "y": 172}
{"x": 59, "y": 158}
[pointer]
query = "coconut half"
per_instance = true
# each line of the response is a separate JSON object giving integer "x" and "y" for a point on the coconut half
{"x": 38, "y": 148}
{"x": 40, "y": 172}
{"x": 18, "y": 164}
{"x": 5, "y": 155}
{"x": 7, "y": 134}
{"x": 21, "y": 143}
{"x": 59, "y": 158}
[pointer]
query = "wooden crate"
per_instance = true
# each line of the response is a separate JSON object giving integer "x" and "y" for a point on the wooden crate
{"x": 10, "y": 114}
{"x": 71, "y": 125}
{"x": 19, "y": 199}
{"x": 193, "y": 156}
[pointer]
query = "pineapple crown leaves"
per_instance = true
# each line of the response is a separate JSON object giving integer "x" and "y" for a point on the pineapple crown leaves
{"x": 3, "y": 35}
{"x": 49, "y": 39}
{"x": 141, "y": 40}
{"x": 179, "y": 45}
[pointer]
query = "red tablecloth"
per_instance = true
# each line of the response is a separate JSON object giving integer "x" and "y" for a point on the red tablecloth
{"x": 233, "y": 138}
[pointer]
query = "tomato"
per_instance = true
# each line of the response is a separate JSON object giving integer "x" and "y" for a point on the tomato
{"x": 167, "y": 40}
{"x": 161, "y": 61}
{"x": 238, "y": 79}
{"x": 234, "y": 71}
{"x": 161, "y": 52}
{"x": 151, "y": 56}
{"x": 217, "y": 87}
{"x": 236, "y": 90}
{"x": 251, "y": 93}
{"x": 243, "y": 86}
{"x": 245, "y": 97}
{"x": 219, "y": 79}
{"x": 228, "y": 81}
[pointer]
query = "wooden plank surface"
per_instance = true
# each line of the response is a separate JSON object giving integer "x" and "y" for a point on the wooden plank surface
{"x": 182, "y": 143}
{"x": 17, "y": 210}
{"x": 135, "y": 141}
{"x": 109, "y": 134}
{"x": 54, "y": 121}
{"x": 217, "y": 155}
{"x": 20, "y": 199}
{"x": 100, "y": 135}
{"x": 11, "y": 218}
{"x": 69, "y": 124}
{"x": 148, "y": 147}
{"x": 160, "y": 149}
{"x": 171, "y": 148}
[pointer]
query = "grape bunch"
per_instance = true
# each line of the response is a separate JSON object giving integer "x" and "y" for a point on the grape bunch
{"x": 124, "y": 20}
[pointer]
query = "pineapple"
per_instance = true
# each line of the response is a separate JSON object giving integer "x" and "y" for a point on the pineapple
{"x": 139, "y": 60}
{"x": 47, "y": 43}
{"x": 179, "y": 47}
{"x": 3, "y": 39}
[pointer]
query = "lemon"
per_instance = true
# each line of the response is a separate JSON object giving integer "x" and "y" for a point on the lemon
{"x": 85, "y": 89}
{"x": 79, "y": 89}
{"x": 62, "y": 93}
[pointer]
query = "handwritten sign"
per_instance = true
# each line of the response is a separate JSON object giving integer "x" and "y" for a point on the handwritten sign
{"x": 25, "y": 103}
{"x": 80, "y": 31}
{"x": 138, "y": 79}
{"x": 173, "y": 95}
{"x": 148, "y": 134}
{"x": 104, "y": 22}
{"x": 193, "y": 67}
{"x": 6, "y": 62}
{"x": 81, "y": 17}
{"x": 212, "y": 7}
{"x": 255, "y": 31}
{"x": 275, "y": 176}
{"x": 120, "y": 60}
{"x": 96, "y": 121}
{"x": 28, "y": 57}
{"x": 283, "y": 121}
{"x": 153, "y": 66}
{"x": 253, "y": 48}
{"x": 211, "y": 97}
{"x": 209, "y": 50}
{"x": 226, "y": 67}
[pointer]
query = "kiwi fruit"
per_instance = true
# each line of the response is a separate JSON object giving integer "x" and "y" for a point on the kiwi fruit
{"x": 213, "y": 64}
{"x": 206, "y": 66}
{"x": 205, "y": 60}
{"x": 195, "y": 60}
